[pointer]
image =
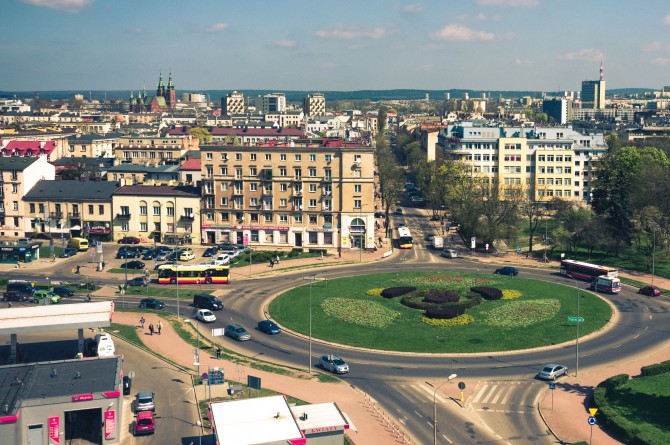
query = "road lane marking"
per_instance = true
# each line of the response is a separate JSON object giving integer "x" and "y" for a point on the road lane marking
{"x": 616, "y": 346}
{"x": 491, "y": 392}
{"x": 430, "y": 392}
{"x": 480, "y": 393}
{"x": 448, "y": 440}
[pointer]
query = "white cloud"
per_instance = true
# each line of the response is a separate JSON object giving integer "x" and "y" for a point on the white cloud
{"x": 460, "y": 32}
{"x": 285, "y": 43}
{"x": 518, "y": 61}
{"x": 666, "y": 20}
{"x": 60, "y": 5}
{"x": 216, "y": 27}
{"x": 660, "y": 61}
{"x": 425, "y": 68}
{"x": 656, "y": 46}
{"x": 412, "y": 8}
{"x": 481, "y": 16}
{"x": 590, "y": 54}
{"x": 512, "y": 3}
{"x": 339, "y": 32}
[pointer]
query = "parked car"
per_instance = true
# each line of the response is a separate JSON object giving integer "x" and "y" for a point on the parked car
{"x": 224, "y": 258}
{"x": 507, "y": 270}
{"x": 269, "y": 327}
{"x": 15, "y": 295}
{"x": 135, "y": 264}
{"x": 151, "y": 303}
{"x": 334, "y": 364}
{"x": 21, "y": 286}
{"x": 67, "y": 252}
{"x": 127, "y": 385}
{"x": 398, "y": 211}
{"x": 144, "y": 401}
{"x": 125, "y": 254}
{"x": 186, "y": 256}
{"x": 42, "y": 295}
{"x": 163, "y": 249}
{"x": 129, "y": 240}
{"x": 145, "y": 423}
{"x": 552, "y": 370}
{"x": 241, "y": 248}
{"x": 162, "y": 255}
{"x": 236, "y": 332}
{"x": 449, "y": 253}
{"x": 205, "y": 315}
{"x": 137, "y": 281}
{"x": 63, "y": 291}
{"x": 210, "y": 251}
{"x": 149, "y": 254}
{"x": 651, "y": 291}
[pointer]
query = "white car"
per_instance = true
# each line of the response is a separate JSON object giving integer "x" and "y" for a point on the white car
{"x": 552, "y": 371}
{"x": 334, "y": 364}
{"x": 205, "y": 315}
{"x": 186, "y": 256}
{"x": 221, "y": 259}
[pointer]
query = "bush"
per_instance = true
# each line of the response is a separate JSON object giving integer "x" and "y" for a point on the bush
{"x": 438, "y": 297}
{"x": 488, "y": 293}
{"x": 296, "y": 251}
{"x": 323, "y": 251}
{"x": 374, "y": 292}
{"x": 447, "y": 312}
{"x": 614, "y": 382}
{"x": 656, "y": 369}
{"x": 510, "y": 294}
{"x": 461, "y": 320}
{"x": 472, "y": 300}
{"x": 392, "y": 292}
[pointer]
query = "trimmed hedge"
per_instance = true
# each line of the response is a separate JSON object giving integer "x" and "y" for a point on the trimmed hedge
{"x": 442, "y": 297}
{"x": 392, "y": 292}
{"x": 488, "y": 293}
{"x": 656, "y": 368}
{"x": 444, "y": 313}
{"x": 615, "y": 381}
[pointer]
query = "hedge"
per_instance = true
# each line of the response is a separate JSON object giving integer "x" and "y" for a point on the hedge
{"x": 447, "y": 312}
{"x": 392, "y": 292}
{"x": 656, "y": 369}
{"x": 615, "y": 381}
{"x": 488, "y": 293}
{"x": 441, "y": 297}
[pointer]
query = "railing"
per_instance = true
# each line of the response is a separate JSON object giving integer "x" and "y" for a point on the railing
{"x": 56, "y": 215}
{"x": 76, "y": 215}
{"x": 124, "y": 216}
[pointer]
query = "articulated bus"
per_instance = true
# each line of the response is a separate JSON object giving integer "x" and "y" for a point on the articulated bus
{"x": 586, "y": 271}
{"x": 196, "y": 274}
{"x": 404, "y": 238}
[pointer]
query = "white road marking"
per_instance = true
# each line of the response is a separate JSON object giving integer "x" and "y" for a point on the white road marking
{"x": 491, "y": 392}
{"x": 430, "y": 392}
{"x": 448, "y": 440}
{"x": 616, "y": 346}
{"x": 480, "y": 393}
{"x": 636, "y": 336}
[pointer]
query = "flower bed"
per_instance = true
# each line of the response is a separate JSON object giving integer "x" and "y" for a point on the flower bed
{"x": 510, "y": 294}
{"x": 443, "y": 281}
{"x": 518, "y": 314}
{"x": 461, "y": 320}
{"x": 374, "y": 292}
{"x": 360, "y": 312}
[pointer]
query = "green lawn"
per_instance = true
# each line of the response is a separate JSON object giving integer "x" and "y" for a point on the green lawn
{"x": 643, "y": 402}
{"x": 167, "y": 291}
{"x": 408, "y": 333}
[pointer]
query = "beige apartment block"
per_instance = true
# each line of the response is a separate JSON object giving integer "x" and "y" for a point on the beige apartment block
{"x": 154, "y": 150}
{"x": 310, "y": 197}
{"x": 161, "y": 213}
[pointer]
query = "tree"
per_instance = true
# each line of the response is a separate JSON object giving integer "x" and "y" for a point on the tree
{"x": 532, "y": 210}
{"x": 651, "y": 232}
{"x": 381, "y": 119}
{"x": 202, "y": 134}
{"x": 390, "y": 180}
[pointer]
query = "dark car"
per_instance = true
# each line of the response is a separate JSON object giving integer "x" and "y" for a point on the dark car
{"x": 210, "y": 251}
{"x": 67, "y": 252}
{"x": 151, "y": 303}
{"x": 163, "y": 249}
{"x": 127, "y": 385}
{"x": 137, "y": 281}
{"x": 129, "y": 240}
{"x": 135, "y": 264}
{"x": 15, "y": 295}
{"x": 651, "y": 291}
{"x": 269, "y": 327}
{"x": 63, "y": 291}
{"x": 127, "y": 254}
{"x": 507, "y": 270}
{"x": 149, "y": 254}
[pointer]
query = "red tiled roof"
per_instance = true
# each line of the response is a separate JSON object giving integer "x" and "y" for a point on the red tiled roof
{"x": 191, "y": 164}
{"x": 27, "y": 148}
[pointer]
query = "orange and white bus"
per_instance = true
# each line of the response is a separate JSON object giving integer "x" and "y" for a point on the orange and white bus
{"x": 404, "y": 238}
{"x": 586, "y": 271}
{"x": 193, "y": 274}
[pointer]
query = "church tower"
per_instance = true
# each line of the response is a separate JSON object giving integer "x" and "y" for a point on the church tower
{"x": 171, "y": 98}
{"x": 160, "y": 91}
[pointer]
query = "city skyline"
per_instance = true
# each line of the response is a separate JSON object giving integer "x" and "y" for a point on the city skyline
{"x": 480, "y": 45}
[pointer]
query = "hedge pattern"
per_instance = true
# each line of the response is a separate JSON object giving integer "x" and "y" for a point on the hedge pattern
{"x": 392, "y": 292}
{"x": 441, "y": 297}
{"x": 488, "y": 293}
{"x": 447, "y": 312}
{"x": 656, "y": 369}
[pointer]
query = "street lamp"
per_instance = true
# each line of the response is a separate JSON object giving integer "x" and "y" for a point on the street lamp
{"x": 653, "y": 255}
{"x": 311, "y": 279}
{"x": 577, "y": 335}
{"x": 176, "y": 259}
{"x": 435, "y": 388}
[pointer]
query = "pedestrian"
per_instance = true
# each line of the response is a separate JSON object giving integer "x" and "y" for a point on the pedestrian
{"x": 78, "y": 267}
{"x": 272, "y": 263}
{"x": 277, "y": 259}
{"x": 380, "y": 241}
{"x": 218, "y": 352}
{"x": 142, "y": 320}
{"x": 339, "y": 253}
{"x": 160, "y": 326}
{"x": 9, "y": 304}
{"x": 151, "y": 329}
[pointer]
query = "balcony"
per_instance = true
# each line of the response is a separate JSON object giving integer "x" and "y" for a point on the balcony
{"x": 187, "y": 218}
{"x": 123, "y": 216}
{"x": 296, "y": 192}
{"x": 76, "y": 215}
{"x": 56, "y": 215}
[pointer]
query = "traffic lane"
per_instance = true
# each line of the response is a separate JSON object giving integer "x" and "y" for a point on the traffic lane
{"x": 176, "y": 410}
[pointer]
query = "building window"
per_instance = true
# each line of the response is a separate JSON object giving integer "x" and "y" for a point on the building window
{"x": 282, "y": 157}
{"x": 253, "y": 202}
{"x": 282, "y": 171}
{"x": 253, "y": 187}
{"x": 283, "y": 219}
{"x": 297, "y": 218}
{"x": 282, "y": 202}
{"x": 224, "y": 202}
{"x": 225, "y": 216}
{"x": 143, "y": 210}
{"x": 209, "y": 156}
{"x": 144, "y": 227}
{"x": 224, "y": 170}
{"x": 32, "y": 207}
{"x": 312, "y": 157}
{"x": 312, "y": 202}
{"x": 312, "y": 188}
{"x": 312, "y": 172}
{"x": 253, "y": 217}
{"x": 253, "y": 171}
{"x": 328, "y": 174}
{"x": 268, "y": 157}
{"x": 15, "y": 188}
{"x": 357, "y": 188}
{"x": 238, "y": 156}
{"x": 357, "y": 203}
{"x": 298, "y": 157}
{"x": 90, "y": 209}
{"x": 125, "y": 226}
{"x": 254, "y": 236}
{"x": 125, "y": 210}
{"x": 357, "y": 173}
{"x": 157, "y": 210}
{"x": 313, "y": 219}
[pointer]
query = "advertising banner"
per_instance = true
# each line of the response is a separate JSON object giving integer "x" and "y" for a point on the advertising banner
{"x": 54, "y": 429}
{"x": 110, "y": 423}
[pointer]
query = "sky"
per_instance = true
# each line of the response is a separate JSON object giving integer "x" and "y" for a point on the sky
{"x": 313, "y": 45}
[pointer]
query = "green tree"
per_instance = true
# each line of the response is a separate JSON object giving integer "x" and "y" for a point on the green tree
{"x": 202, "y": 134}
{"x": 390, "y": 180}
{"x": 381, "y": 119}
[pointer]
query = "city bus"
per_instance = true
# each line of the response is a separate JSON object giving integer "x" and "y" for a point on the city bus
{"x": 404, "y": 238}
{"x": 193, "y": 274}
{"x": 586, "y": 271}
{"x": 611, "y": 285}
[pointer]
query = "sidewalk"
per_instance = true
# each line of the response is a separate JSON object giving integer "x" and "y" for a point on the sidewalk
{"x": 368, "y": 422}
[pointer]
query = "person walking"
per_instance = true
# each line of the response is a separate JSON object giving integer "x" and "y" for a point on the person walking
{"x": 142, "y": 320}
{"x": 78, "y": 267}
{"x": 160, "y": 326}
{"x": 218, "y": 352}
{"x": 151, "y": 329}
{"x": 272, "y": 263}
{"x": 277, "y": 258}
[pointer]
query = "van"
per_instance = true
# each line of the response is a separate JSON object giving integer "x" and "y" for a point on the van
{"x": 104, "y": 345}
{"x": 603, "y": 283}
{"x": 21, "y": 286}
{"x": 81, "y": 244}
{"x": 206, "y": 301}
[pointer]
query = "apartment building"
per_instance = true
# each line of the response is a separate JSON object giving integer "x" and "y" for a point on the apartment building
{"x": 131, "y": 174}
{"x": 288, "y": 196}
{"x": 550, "y": 161}
{"x": 71, "y": 208}
{"x": 161, "y": 213}
{"x": 154, "y": 150}
{"x": 232, "y": 103}
{"x": 314, "y": 105}
{"x": 17, "y": 176}
{"x": 91, "y": 146}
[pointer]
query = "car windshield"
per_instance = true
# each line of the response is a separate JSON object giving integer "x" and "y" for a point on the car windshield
{"x": 206, "y": 313}
{"x": 548, "y": 368}
{"x": 145, "y": 401}
{"x": 240, "y": 330}
{"x": 338, "y": 362}
{"x": 144, "y": 422}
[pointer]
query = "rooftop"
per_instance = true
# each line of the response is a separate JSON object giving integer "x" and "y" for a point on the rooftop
{"x": 16, "y": 163}
{"x": 160, "y": 190}
{"x": 71, "y": 190}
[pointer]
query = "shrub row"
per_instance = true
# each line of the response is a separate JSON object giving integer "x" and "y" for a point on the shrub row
{"x": 656, "y": 369}
{"x": 461, "y": 320}
{"x": 392, "y": 292}
{"x": 438, "y": 297}
{"x": 417, "y": 300}
{"x": 615, "y": 381}
{"x": 323, "y": 251}
{"x": 444, "y": 312}
{"x": 488, "y": 293}
{"x": 374, "y": 292}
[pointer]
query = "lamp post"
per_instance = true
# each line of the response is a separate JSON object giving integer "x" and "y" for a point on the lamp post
{"x": 176, "y": 259}
{"x": 653, "y": 255}
{"x": 577, "y": 335}
{"x": 311, "y": 279}
{"x": 435, "y": 388}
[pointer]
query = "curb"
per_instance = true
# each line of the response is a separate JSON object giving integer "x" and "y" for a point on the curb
{"x": 539, "y": 410}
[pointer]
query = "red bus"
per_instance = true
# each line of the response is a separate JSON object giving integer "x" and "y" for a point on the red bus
{"x": 586, "y": 271}
{"x": 196, "y": 274}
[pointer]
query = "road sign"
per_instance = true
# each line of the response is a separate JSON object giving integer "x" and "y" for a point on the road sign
{"x": 461, "y": 385}
{"x": 552, "y": 386}
{"x": 592, "y": 420}
{"x": 518, "y": 249}
{"x": 593, "y": 411}
{"x": 576, "y": 319}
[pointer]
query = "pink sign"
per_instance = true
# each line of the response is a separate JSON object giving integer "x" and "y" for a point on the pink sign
{"x": 82, "y": 397}
{"x": 54, "y": 428}
{"x": 110, "y": 422}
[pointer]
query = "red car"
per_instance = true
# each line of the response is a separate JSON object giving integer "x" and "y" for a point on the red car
{"x": 129, "y": 240}
{"x": 651, "y": 291}
{"x": 145, "y": 423}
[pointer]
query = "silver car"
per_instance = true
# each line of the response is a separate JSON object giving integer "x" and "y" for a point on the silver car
{"x": 237, "y": 332}
{"x": 334, "y": 364}
{"x": 144, "y": 401}
{"x": 552, "y": 371}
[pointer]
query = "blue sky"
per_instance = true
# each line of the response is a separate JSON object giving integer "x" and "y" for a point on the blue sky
{"x": 545, "y": 45}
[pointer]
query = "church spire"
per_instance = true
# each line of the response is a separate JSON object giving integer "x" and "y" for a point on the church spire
{"x": 601, "y": 70}
{"x": 170, "y": 83}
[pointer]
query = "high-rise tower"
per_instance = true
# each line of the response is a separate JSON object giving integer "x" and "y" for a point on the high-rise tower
{"x": 593, "y": 92}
